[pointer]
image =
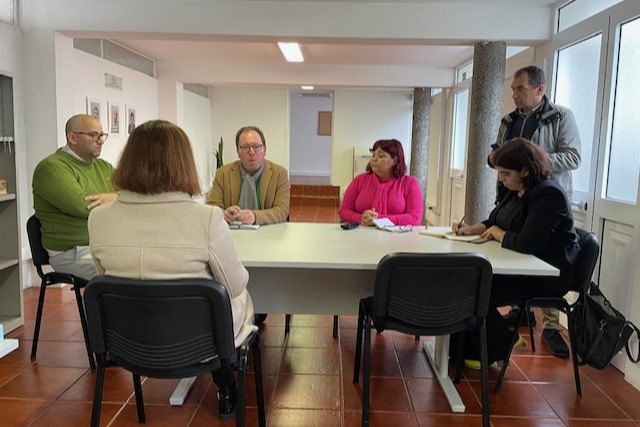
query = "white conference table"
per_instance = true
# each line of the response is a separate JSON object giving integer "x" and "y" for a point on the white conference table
{"x": 314, "y": 268}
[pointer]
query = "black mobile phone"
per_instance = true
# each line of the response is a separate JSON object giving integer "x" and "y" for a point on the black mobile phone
{"x": 348, "y": 225}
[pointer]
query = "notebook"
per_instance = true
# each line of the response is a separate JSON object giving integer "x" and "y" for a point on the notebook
{"x": 447, "y": 233}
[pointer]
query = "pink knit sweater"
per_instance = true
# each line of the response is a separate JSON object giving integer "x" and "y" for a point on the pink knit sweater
{"x": 398, "y": 199}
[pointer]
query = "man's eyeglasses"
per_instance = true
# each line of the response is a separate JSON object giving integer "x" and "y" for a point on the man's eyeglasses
{"x": 95, "y": 136}
{"x": 246, "y": 148}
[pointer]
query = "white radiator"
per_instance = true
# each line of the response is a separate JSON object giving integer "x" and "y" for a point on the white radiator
{"x": 361, "y": 157}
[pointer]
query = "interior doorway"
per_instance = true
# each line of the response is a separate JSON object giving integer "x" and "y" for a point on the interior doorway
{"x": 310, "y": 124}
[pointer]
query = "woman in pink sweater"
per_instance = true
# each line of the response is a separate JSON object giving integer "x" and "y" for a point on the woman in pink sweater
{"x": 384, "y": 191}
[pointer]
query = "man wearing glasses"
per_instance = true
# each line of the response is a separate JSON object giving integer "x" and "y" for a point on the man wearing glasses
{"x": 251, "y": 190}
{"x": 66, "y": 186}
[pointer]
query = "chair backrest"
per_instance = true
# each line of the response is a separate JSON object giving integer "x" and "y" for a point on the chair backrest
{"x": 160, "y": 328}
{"x": 38, "y": 252}
{"x": 587, "y": 258}
{"x": 431, "y": 294}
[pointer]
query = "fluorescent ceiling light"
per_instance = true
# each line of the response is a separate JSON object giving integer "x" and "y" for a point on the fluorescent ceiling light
{"x": 307, "y": 87}
{"x": 291, "y": 51}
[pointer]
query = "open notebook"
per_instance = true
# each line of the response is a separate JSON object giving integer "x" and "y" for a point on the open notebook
{"x": 447, "y": 233}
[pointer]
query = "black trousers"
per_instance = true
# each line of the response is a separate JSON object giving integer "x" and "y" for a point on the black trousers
{"x": 507, "y": 290}
{"x": 223, "y": 377}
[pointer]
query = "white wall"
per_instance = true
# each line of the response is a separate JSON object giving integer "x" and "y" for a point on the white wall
{"x": 362, "y": 117}
{"x": 266, "y": 108}
{"x": 310, "y": 152}
{"x": 197, "y": 122}
{"x": 84, "y": 75}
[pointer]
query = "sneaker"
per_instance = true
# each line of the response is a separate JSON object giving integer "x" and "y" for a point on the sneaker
{"x": 475, "y": 364}
{"x": 227, "y": 402}
{"x": 472, "y": 364}
{"x": 511, "y": 317}
{"x": 552, "y": 338}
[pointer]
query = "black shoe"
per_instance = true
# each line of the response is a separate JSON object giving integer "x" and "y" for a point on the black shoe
{"x": 552, "y": 338}
{"x": 227, "y": 402}
{"x": 511, "y": 317}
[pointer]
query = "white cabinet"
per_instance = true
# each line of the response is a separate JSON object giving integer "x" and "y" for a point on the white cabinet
{"x": 11, "y": 305}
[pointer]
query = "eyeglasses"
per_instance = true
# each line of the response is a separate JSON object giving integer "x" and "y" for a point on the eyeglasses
{"x": 95, "y": 136}
{"x": 246, "y": 148}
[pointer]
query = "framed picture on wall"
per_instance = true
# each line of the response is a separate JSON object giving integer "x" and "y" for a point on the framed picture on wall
{"x": 114, "y": 119}
{"x": 131, "y": 118}
{"x": 324, "y": 123}
{"x": 94, "y": 108}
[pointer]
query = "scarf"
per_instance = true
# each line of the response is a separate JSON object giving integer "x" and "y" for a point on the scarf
{"x": 248, "y": 196}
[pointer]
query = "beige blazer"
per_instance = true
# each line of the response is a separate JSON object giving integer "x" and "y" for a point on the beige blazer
{"x": 170, "y": 236}
{"x": 274, "y": 191}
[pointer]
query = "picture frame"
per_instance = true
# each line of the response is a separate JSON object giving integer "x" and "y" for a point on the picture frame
{"x": 324, "y": 123}
{"x": 94, "y": 108}
{"x": 114, "y": 119}
{"x": 131, "y": 118}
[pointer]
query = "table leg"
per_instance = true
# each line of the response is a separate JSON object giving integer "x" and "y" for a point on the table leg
{"x": 181, "y": 391}
{"x": 438, "y": 357}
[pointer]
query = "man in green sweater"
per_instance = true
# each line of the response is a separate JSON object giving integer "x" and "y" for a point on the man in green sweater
{"x": 66, "y": 186}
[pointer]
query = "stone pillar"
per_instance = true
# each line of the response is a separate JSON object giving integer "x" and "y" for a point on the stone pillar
{"x": 485, "y": 114}
{"x": 420, "y": 136}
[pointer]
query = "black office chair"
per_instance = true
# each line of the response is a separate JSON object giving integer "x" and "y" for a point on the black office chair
{"x": 167, "y": 329}
{"x": 585, "y": 265}
{"x": 427, "y": 294}
{"x": 41, "y": 258}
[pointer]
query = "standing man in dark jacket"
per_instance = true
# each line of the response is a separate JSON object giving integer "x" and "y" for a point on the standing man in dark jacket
{"x": 554, "y": 129}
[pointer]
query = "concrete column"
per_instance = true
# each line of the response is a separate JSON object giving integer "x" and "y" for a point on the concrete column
{"x": 485, "y": 113}
{"x": 420, "y": 136}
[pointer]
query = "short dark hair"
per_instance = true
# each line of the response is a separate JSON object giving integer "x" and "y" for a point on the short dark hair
{"x": 394, "y": 148}
{"x": 157, "y": 159}
{"x": 518, "y": 154}
{"x": 244, "y": 129}
{"x": 536, "y": 75}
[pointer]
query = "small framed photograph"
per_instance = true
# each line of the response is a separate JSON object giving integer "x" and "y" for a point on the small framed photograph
{"x": 131, "y": 118}
{"x": 114, "y": 119}
{"x": 324, "y": 123}
{"x": 94, "y": 108}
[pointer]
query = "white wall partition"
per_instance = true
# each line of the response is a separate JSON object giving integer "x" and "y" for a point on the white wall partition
{"x": 362, "y": 117}
{"x": 197, "y": 124}
{"x": 84, "y": 74}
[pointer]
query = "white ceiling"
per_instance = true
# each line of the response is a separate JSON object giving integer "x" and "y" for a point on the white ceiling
{"x": 389, "y": 60}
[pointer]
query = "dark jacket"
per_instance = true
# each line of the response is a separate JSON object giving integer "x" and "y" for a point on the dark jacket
{"x": 541, "y": 224}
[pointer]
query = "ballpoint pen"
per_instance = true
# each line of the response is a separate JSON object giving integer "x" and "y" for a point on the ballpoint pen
{"x": 459, "y": 224}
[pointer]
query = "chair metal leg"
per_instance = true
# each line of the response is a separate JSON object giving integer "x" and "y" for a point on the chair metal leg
{"x": 336, "y": 325}
{"x": 257, "y": 368}
{"x": 533, "y": 343}
{"x": 242, "y": 389}
{"x": 83, "y": 323}
{"x": 366, "y": 372}
{"x": 505, "y": 362}
{"x": 459, "y": 358}
{"x": 359, "y": 332}
{"x": 97, "y": 393}
{"x": 484, "y": 374}
{"x": 574, "y": 358}
{"x": 137, "y": 388}
{"x": 287, "y": 323}
{"x": 36, "y": 330}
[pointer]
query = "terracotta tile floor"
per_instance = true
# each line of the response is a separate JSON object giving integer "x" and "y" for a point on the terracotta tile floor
{"x": 307, "y": 381}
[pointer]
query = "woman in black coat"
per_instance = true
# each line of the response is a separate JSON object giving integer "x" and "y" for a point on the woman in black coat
{"x": 533, "y": 216}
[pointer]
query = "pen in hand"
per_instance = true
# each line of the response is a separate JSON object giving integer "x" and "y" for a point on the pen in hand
{"x": 460, "y": 225}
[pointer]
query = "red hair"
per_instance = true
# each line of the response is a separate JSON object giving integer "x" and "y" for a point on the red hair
{"x": 394, "y": 148}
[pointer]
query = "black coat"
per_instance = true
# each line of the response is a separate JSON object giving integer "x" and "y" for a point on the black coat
{"x": 541, "y": 224}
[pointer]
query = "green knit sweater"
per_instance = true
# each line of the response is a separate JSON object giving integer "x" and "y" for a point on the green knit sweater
{"x": 60, "y": 184}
